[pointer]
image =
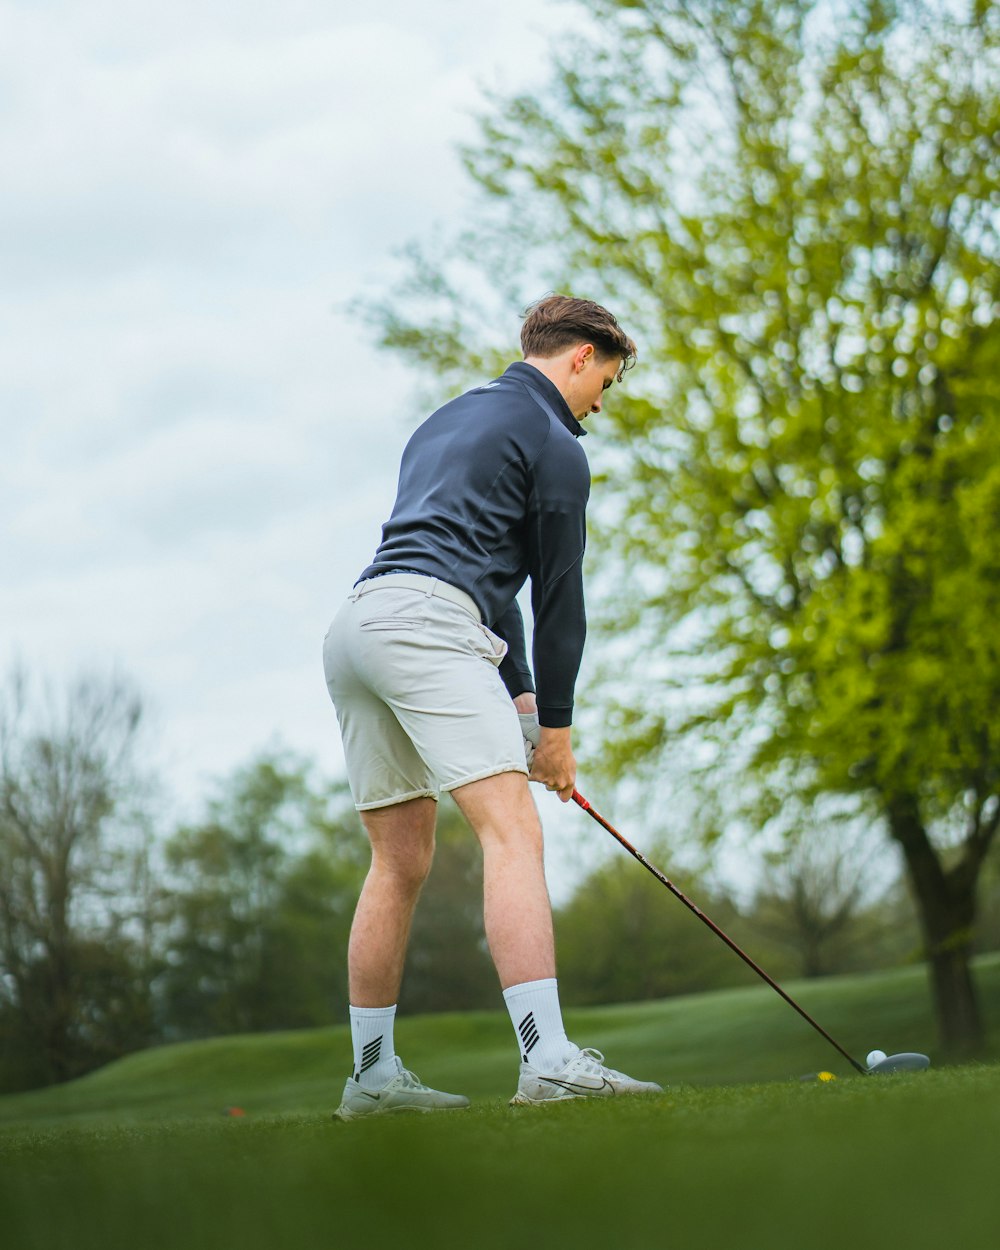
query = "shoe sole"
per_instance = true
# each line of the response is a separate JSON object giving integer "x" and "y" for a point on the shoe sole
{"x": 522, "y": 1100}
{"x": 345, "y": 1114}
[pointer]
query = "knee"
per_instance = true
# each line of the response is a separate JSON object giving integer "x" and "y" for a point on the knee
{"x": 512, "y": 838}
{"x": 408, "y": 869}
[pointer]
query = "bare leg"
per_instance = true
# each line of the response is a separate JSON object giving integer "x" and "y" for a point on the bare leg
{"x": 402, "y": 838}
{"x": 516, "y": 908}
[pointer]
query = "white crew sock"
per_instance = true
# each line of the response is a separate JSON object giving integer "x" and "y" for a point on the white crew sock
{"x": 374, "y": 1050}
{"x": 537, "y": 1020}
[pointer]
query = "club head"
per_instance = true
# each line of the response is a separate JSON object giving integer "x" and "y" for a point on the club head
{"x": 905, "y": 1061}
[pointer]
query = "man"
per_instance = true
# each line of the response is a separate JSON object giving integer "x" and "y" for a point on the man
{"x": 427, "y": 668}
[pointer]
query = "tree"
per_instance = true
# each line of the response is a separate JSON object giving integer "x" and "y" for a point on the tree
{"x": 621, "y": 938}
{"x": 74, "y": 847}
{"x": 988, "y": 931}
{"x": 448, "y": 966}
{"x": 830, "y": 900}
{"x": 795, "y": 206}
{"x": 258, "y": 904}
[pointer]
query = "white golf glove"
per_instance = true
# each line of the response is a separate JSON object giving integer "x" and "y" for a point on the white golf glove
{"x": 531, "y": 732}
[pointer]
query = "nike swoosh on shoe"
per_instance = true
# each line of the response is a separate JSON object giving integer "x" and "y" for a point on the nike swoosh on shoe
{"x": 373, "y": 1097}
{"x": 578, "y": 1087}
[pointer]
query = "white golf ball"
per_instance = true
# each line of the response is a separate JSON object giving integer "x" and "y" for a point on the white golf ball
{"x": 874, "y": 1057}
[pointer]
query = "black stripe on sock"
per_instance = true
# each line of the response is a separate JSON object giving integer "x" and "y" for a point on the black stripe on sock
{"x": 529, "y": 1033}
{"x": 370, "y": 1054}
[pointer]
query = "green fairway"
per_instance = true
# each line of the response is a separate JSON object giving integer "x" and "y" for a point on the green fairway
{"x": 738, "y": 1153}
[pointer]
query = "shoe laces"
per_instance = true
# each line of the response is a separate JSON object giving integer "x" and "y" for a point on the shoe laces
{"x": 595, "y": 1062}
{"x": 593, "y": 1059}
{"x": 410, "y": 1080}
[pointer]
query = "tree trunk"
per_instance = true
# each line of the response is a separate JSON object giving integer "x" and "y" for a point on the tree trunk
{"x": 956, "y": 1003}
{"x": 946, "y": 903}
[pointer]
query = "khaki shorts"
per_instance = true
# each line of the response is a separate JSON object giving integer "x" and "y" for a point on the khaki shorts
{"x": 413, "y": 676}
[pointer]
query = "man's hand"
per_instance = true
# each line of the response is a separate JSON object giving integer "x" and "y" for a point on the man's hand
{"x": 553, "y": 764}
{"x": 531, "y": 733}
{"x": 527, "y": 714}
{"x": 551, "y": 761}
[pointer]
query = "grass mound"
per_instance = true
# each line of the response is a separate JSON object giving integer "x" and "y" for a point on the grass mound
{"x": 726, "y": 1037}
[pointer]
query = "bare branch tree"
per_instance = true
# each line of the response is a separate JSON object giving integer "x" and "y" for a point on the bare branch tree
{"x": 70, "y": 838}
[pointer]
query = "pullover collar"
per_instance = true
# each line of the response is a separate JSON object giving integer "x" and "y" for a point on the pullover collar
{"x": 534, "y": 377}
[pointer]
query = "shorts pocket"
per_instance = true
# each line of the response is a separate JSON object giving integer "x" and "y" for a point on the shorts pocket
{"x": 390, "y": 622}
{"x": 494, "y": 647}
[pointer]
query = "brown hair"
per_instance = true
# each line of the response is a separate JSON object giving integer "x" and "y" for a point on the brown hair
{"x": 557, "y": 322}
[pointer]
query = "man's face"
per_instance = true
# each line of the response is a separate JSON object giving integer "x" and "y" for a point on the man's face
{"x": 592, "y": 376}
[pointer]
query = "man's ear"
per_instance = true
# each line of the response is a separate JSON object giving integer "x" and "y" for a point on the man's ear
{"x": 582, "y": 354}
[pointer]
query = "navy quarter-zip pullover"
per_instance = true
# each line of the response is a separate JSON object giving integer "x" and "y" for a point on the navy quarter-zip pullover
{"x": 493, "y": 489}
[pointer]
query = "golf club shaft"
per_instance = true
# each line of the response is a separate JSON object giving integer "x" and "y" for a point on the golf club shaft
{"x": 582, "y": 802}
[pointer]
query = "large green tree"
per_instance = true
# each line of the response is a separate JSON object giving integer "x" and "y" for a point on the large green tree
{"x": 793, "y": 205}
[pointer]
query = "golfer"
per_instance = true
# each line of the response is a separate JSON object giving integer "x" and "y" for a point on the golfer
{"x": 427, "y": 668}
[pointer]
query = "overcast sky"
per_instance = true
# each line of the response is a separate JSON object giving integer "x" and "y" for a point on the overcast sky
{"x": 198, "y": 448}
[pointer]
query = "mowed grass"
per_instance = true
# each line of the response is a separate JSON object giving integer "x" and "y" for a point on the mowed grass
{"x": 738, "y": 1153}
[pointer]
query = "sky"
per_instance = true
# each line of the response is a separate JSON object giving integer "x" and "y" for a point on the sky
{"x": 199, "y": 443}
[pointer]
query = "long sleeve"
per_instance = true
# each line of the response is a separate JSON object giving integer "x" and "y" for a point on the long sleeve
{"x": 514, "y": 670}
{"x": 557, "y": 533}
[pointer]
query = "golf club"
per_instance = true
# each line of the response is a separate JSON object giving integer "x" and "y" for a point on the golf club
{"x": 906, "y": 1061}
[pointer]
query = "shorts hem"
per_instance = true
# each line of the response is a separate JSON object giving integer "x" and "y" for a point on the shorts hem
{"x": 397, "y": 798}
{"x": 481, "y": 776}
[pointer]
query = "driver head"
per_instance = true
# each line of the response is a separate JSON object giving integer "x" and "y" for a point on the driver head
{"x": 906, "y": 1061}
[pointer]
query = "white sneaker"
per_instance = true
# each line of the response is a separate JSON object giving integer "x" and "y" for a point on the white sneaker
{"x": 584, "y": 1076}
{"x": 404, "y": 1092}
